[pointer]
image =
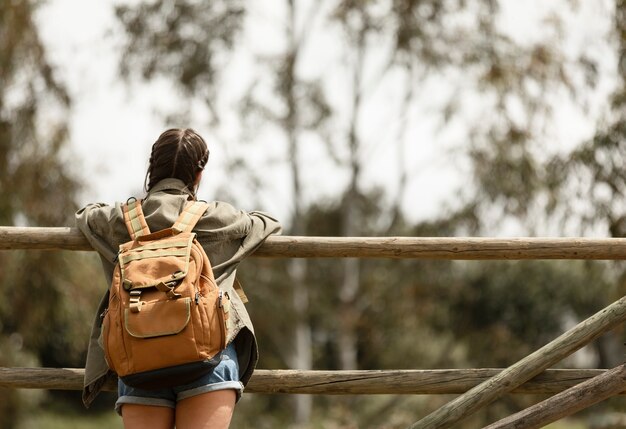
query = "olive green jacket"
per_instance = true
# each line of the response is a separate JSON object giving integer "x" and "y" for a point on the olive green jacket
{"x": 227, "y": 236}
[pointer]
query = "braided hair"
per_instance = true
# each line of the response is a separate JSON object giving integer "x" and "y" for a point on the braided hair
{"x": 177, "y": 153}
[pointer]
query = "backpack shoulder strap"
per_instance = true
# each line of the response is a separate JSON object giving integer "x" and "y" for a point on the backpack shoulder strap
{"x": 190, "y": 215}
{"x": 134, "y": 219}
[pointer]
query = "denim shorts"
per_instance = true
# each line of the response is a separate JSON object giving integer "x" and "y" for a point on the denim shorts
{"x": 224, "y": 376}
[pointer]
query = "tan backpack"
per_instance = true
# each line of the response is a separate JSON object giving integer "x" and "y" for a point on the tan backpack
{"x": 166, "y": 320}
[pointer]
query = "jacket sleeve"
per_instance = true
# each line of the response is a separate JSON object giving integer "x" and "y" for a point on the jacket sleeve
{"x": 101, "y": 226}
{"x": 261, "y": 226}
{"x": 238, "y": 235}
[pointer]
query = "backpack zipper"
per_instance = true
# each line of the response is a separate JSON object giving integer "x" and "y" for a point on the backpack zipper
{"x": 220, "y": 314}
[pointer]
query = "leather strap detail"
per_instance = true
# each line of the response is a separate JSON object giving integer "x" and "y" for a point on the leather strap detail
{"x": 239, "y": 289}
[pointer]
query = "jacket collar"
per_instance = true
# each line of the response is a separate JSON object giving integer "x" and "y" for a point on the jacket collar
{"x": 171, "y": 184}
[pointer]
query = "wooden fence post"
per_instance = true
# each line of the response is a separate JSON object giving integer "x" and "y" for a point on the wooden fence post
{"x": 525, "y": 369}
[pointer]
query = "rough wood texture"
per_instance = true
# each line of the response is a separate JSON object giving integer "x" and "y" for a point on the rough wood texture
{"x": 42, "y": 238}
{"x": 525, "y": 369}
{"x": 467, "y": 248}
{"x": 566, "y": 403}
{"x": 439, "y": 381}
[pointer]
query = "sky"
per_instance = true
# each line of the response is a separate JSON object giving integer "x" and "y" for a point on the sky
{"x": 113, "y": 124}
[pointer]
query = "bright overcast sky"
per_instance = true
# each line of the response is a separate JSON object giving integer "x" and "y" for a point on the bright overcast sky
{"x": 113, "y": 126}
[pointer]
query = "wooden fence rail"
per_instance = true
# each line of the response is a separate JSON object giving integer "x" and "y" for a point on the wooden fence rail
{"x": 364, "y": 382}
{"x": 575, "y": 389}
{"x": 515, "y": 375}
{"x": 566, "y": 403}
{"x": 460, "y": 248}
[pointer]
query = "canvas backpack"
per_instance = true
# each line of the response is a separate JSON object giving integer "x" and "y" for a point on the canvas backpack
{"x": 166, "y": 322}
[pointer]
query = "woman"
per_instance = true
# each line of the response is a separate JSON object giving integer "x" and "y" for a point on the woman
{"x": 227, "y": 235}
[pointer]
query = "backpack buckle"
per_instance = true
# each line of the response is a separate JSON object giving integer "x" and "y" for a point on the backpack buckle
{"x": 135, "y": 303}
{"x": 168, "y": 289}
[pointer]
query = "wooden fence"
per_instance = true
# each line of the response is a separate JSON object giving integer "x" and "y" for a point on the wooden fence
{"x": 573, "y": 389}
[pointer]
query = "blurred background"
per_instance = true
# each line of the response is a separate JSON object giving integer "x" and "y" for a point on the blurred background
{"x": 341, "y": 118}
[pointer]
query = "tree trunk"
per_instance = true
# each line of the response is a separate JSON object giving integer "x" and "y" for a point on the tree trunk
{"x": 302, "y": 356}
{"x": 350, "y": 285}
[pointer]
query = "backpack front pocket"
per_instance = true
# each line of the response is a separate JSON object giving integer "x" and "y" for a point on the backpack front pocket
{"x": 158, "y": 319}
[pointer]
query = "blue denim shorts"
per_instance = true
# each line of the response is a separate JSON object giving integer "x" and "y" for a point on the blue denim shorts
{"x": 224, "y": 376}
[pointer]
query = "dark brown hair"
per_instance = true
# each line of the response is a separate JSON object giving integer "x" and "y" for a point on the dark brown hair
{"x": 177, "y": 153}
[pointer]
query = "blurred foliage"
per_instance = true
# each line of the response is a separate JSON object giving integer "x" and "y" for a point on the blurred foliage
{"x": 425, "y": 314}
{"x": 61, "y": 416}
{"x": 406, "y": 314}
{"x": 48, "y": 297}
{"x": 182, "y": 41}
{"x": 598, "y": 164}
{"x": 513, "y": 308}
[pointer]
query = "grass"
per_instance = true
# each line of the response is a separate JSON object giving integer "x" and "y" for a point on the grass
{"x": 55, "y": 419}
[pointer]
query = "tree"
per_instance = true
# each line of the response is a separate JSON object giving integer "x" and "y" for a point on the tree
{"x": 302, "y": 108}
{"x": 37, "y": 187}
{"x": 504, "y": 95}
{"x": 597, "y": 166}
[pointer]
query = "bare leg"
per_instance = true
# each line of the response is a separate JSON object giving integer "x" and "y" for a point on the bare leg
{"x": 209, "y": 410}
{"x": 147, "y": 416}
